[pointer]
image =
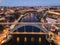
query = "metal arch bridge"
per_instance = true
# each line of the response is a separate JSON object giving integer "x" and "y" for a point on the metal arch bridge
{"x": 40, "y": 26}
{"x": 30, "y": 24}
{"x": 35, "y": 25}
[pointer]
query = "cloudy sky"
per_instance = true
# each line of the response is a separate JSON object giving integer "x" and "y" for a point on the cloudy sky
{"x": 30, "y": 3}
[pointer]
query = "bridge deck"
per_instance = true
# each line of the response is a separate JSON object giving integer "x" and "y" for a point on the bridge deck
{"x": 27, "y": 33}
{"x": 28, "y": 23}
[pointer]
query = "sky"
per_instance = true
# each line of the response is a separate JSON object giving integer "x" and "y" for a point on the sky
{"x": 30, "y": 3}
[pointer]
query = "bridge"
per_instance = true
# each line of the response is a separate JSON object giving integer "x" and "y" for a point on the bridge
{"x": 39, "y": 26}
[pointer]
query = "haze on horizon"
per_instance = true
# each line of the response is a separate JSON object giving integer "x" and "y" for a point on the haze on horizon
{"x": 30, "y": 3}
